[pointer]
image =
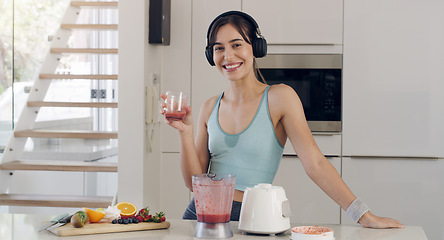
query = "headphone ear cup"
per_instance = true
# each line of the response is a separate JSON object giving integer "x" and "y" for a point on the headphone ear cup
{"x": 260, "y": 47}
{"x": 209, "y": 55}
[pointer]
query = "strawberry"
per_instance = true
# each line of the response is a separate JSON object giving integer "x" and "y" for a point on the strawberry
{"x": 158, "y": 217}
{"x": 163, "y": 219}
{"x": 144, "y": 212}
{"x": 140, "y": 218}
{"x": 148, "y": 218}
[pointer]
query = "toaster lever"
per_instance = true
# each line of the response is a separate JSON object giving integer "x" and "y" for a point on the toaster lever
{"x": 286, "y": 211}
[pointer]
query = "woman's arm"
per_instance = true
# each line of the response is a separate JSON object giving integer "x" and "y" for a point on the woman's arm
{"x": 194, "y": 155}
{"x": 317, "y": 167}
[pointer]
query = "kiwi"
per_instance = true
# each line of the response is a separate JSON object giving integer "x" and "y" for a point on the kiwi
{"x": 79, "y": 219}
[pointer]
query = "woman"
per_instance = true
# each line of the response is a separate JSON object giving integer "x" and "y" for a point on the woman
{"x": 243, "y": 130}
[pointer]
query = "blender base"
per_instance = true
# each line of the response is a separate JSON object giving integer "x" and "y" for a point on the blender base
{"x": 213, "y": 230}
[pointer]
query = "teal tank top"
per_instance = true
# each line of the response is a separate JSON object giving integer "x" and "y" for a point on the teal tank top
{"x": 253, "y": 155}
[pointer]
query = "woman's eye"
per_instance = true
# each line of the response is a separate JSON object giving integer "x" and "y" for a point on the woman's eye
{"x": 218, "y": 48}
{"x": 237, "y": 45}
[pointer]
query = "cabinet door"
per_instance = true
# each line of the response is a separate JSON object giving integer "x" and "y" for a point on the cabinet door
{"x": 308, "y": 203}
{"x": 174, "y": 195}
{"x": 329, "y": 144}
{"x": 408, "y": 190}
{"x": 298, "y": 21}
{"x": 207, "y": 81}
{"x": 393, "y": 78}
{"x": 176, "y": 65}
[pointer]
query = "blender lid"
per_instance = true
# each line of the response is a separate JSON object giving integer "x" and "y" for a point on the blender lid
{"x": 264, "y": 187}
{"x": 218, "y": 176}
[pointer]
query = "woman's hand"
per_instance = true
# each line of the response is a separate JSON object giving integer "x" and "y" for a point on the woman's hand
{"x": 371, "y": 221}
{"x": 181, "y": 125}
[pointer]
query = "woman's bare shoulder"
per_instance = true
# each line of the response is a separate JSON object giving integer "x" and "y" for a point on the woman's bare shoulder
{"x": 282, "y": 92}
{"x": 282, "y": 99}
{"x": 207, "y": 107}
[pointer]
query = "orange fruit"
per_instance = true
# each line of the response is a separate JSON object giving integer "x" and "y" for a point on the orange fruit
{"x": 126, "y": 209}
{"x": 100, "y": 210}
{"x": 94, "y": 216}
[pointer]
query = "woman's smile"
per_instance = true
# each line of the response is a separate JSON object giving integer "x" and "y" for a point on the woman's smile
{"x": 232, "y": 66}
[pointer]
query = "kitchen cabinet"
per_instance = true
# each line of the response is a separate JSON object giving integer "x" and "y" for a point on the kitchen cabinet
{"x": 174, "y": 195}
{"x": 176, "y": 66}
{"x": 328, "y": 143}
{"x": 308, "y": 203}
{"x": 207, "y": 81}
{"x": 409, "y": 190}
{"x": 298, "y": 21}
{"x": 393, "y": 78}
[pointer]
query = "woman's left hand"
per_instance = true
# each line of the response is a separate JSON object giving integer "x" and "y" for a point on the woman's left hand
{"x": 372, "y": 221}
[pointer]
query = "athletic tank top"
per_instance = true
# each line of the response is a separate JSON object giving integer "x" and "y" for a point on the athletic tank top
{"x": 253, "y": 155}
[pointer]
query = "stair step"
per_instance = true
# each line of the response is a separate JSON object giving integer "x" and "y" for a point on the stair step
{"x": 77, "y": 76}
{"x": 85, "y": 50}
{"x": 72, "y": 104}
{"x": 93, "y": 4}
{"x": 90, "y": 26}
{"x": 39, "y": 200}
{"x": 70, "y": 166}
{"x": 66, "y": 134}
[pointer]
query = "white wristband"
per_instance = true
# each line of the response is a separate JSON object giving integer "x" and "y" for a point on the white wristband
{"x": 356, "y": 209}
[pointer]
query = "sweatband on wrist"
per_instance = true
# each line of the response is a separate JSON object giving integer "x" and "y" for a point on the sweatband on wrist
{"x": 356, "y": 209}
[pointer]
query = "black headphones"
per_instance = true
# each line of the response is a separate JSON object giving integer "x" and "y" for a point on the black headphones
{"x": 259, "y": 43}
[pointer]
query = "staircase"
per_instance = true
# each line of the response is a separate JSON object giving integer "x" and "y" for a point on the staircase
{"x": 13, "y": 162}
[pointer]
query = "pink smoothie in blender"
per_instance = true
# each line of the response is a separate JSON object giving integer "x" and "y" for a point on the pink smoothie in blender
{"x": 213, "y": 196}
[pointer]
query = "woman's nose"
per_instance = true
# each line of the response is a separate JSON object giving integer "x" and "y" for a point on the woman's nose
{"x": 229, "y": 54}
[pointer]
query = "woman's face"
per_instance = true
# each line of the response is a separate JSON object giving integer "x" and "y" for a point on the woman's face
{"x": 233, "y": 56}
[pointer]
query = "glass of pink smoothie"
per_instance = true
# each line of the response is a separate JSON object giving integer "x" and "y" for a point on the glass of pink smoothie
{"x": 175, "y": 105}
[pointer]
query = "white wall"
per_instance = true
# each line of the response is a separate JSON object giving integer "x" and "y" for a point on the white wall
{"x": 139, "y": 170}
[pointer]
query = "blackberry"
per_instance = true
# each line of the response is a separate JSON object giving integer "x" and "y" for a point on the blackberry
{"x": 114, "y": 221}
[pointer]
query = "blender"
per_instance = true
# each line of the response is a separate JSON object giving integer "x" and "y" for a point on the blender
{"x": 213, "y": 197}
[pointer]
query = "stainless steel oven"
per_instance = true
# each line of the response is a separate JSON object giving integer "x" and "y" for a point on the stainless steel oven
{"x": 317, "y": 79}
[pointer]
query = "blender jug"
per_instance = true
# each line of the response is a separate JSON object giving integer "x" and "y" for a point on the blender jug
{"x": 213, "y": 196}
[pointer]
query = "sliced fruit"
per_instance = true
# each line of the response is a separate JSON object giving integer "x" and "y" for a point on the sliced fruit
{"x": 127, "y": 209}
{"x": 94, "y": 216}
{"x": 79, "y": 219}
{"x": 100, "y": 210}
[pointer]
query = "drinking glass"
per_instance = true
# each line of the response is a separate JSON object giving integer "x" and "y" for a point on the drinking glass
{"x": 175, "y": 105}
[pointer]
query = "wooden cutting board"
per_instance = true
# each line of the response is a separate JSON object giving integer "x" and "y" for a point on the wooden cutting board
{"x": 95, "y": 228}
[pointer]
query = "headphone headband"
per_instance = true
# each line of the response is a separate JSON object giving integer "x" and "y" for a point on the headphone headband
{"x": 239, "y": 13}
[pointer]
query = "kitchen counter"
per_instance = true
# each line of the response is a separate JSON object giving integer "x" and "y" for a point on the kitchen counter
{"x": 25, "y": 226}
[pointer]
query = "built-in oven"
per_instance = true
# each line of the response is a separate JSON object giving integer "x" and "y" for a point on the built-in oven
{"x": 316, "y": 78}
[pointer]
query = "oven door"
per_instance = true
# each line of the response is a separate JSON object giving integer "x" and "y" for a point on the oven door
{"x": 317, "y": 79}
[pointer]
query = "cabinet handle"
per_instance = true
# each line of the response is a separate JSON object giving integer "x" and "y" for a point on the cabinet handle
{"x": 294, "y": 155}
{"x": 323, "y": 134}
{"x": 397, "y": 157}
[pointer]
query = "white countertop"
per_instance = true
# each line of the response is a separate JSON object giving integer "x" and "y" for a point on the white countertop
{"x": 25, "y": 226}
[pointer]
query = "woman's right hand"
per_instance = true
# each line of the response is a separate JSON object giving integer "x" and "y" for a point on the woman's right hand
{"x": 369, "y": 220}
{"x": 181, "y": 125}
